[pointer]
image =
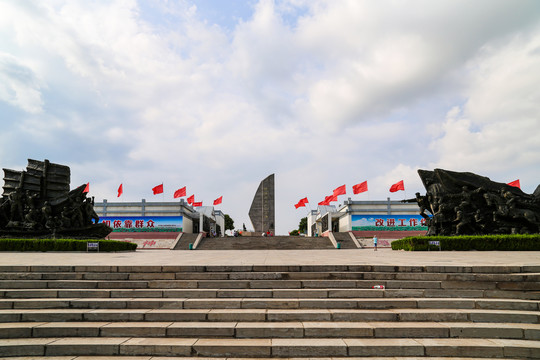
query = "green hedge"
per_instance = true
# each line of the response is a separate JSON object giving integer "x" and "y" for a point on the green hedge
{"x": 62, "y": 245}
{"x": 470, "y": 242}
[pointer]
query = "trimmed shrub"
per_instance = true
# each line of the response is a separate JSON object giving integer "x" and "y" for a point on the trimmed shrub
{"x": 470, "y": 242}
{"x": 63, "y": 245}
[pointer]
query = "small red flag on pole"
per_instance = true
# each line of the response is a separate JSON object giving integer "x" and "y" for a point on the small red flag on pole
{"x": 397, "y": 186}
{"x": 180, "y": 192}
{"x": 197, "y": 204}
{"x": 218, "y": 200}
{"x": 304, "y": 201}
{"x": 360, "y": 188}
{"x": 158, "y": 189}
{"x": 342, "y": 190}
{"x": 120, "y": 190}
{"x": 515, "y": 183}
{"x": 191, "y": 199}
{"x": 87, "y": 188}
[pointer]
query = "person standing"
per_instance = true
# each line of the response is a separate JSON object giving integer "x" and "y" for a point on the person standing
{"x": 375, "y": 242}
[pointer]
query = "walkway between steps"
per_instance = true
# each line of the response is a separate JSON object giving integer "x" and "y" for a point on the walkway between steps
{"x": 279, "y": 257}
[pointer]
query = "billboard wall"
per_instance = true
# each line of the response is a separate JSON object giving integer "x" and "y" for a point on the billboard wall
{"x": 144, "y": 223}
{"x": 388, "y": 223}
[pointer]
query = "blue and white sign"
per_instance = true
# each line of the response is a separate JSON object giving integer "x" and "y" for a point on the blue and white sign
{"x": 388, "y": 223}
{"x": 144, "y": 223}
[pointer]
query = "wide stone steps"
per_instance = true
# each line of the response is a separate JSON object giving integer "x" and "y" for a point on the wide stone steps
{"x": 467, "y": 295}
{"x": 297, "y": 329}
{"x": 265, "y": 243}
{"x": 269, "y": 311}
{"x": 270, "y": 315}
{"x": 280, "y": 348}
{"x": 277, "y": 315}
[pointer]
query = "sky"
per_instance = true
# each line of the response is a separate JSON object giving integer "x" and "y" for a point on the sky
{"x": 217, "y": 95}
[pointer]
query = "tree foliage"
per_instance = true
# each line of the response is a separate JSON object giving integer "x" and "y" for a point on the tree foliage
{"x": 229, "y": 223}
{"x": 302, "y": 226}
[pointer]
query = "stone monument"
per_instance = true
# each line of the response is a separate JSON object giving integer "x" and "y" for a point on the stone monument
{"x": 38, "y": 203}
{"x": 463, "y": 203}
{"x": 262, "y": 210}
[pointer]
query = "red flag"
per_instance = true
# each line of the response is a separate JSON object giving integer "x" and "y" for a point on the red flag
{"x": 330, "y": 198}
{"x": 397, "y": 186}
{"x": 324, "y": 202}
{"x": 303, "y": 201}
{"x": 300, "y": 204}
{"x": 180, "y": 192}
{"x": 360, "y": 188}
{"x": 342, "y": 190}
{"x": 87, "y": 188}
{"x": 197, "y": 204}
{"x": 218, "y": 200}
{"x": 120, "y": 190}
{"x": 191, "y": 199}
{"x": 515, "y": 183}
{"x": 158, "y": 189}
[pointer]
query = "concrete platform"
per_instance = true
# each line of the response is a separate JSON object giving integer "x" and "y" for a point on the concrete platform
{"x": 279, "y": 257}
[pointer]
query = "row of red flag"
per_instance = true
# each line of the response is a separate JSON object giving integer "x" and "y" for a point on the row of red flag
{"x": 363, "y": 187}
{"x": 158, "y": 189}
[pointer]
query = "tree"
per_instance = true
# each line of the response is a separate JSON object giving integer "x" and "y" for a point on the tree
{"x": 302, "y": 226}
{"x": 294, "y": 233}
{"x": 229, "y": 223}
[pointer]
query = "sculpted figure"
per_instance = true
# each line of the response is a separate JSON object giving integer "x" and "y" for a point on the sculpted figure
{"x": 466, "y": 203}
{"x": 89, "y": 212}
{"x": 17, "y": 206}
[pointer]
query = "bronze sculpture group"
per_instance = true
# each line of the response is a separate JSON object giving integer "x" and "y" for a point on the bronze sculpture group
{"x": 463, "y": 203}
{"x": 38, "y": 203}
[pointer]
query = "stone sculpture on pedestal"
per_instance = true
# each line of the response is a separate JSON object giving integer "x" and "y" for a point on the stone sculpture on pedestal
{"x": 38, "y": 203}
{"x": 461, "y": 203}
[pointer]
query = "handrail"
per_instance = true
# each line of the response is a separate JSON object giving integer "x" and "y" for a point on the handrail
{"x": 199, "y": 238}
{"x": 332, "y": 239}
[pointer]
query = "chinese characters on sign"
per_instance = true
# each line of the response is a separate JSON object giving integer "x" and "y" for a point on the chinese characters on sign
{"x": 388, "y": 222}
{"x": 143, "y": 223}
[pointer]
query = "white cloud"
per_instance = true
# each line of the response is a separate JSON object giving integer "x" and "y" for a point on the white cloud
{"x": 19, "y": 84}
{"x": 495, "y": 130}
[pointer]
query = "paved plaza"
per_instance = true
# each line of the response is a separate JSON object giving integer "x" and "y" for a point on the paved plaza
{"x": 276, "y": 257}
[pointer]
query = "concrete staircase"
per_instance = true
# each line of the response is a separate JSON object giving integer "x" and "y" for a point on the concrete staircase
{"x": 144, "y": 312}
{"x": 265, "y": 243}
{"x": 185, "y": 240}
{"x": 345, "y": 240}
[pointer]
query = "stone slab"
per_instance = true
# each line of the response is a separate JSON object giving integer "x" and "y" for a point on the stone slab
{"x": 135, "y": 329}
{"x": 157, "y": 346}
{"x": 337, "y": 329}
{"x": 176, "y": 315}
{"x": 269, "y": 330}
{"x": 384, "y": 347}
{"x": 233, "y": 347}
{"x": 298, "y": 315}
{"x": 237, "y": 315}
{"x": 485, "y": 330}
{"x": 409, "y": 330}
{"x": 462, "y": 347}
{"x": 65, "y": 329}
{"x": 85, "y": 346}
{"x": 24, "y": 347}
{"x": 308, "y": 347}
{"x": 201, "y": 329}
